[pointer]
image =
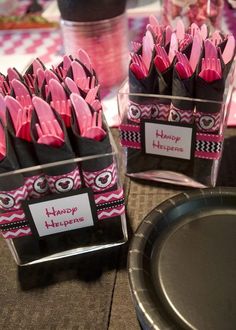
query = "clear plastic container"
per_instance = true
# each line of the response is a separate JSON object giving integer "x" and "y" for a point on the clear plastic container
{"x": 105, "y": 41}
{"x": 176, "y": 140}
{"x": 64, "y": 208}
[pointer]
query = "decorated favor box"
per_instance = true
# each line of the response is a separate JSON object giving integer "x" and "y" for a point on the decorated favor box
{"x": 174, "y": 105}
{"x": 173, "y": 151}
{"x": 60, "y": 188}
{"x": 68, "y": 221}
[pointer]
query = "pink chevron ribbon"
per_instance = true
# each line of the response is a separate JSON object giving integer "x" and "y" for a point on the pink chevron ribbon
{"x": 12, "y": 199}
{"x": 162, "y": 112}
{"x": 14, "y": 224}
{"x": 65, "y": 182}
{"x": 208, "y": 122}
{"x": 181, "y": 116}
{"x": 37, "y": 186}
{"x": 101, "y": 180}
{"x": 207, "y": 146}
{"x": 110, "y": 204}
{"x": 137, "y": 111}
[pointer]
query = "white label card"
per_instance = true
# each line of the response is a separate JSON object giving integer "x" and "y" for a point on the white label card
{"x": 168, "y": 140}
{"x": 62, "y": 214}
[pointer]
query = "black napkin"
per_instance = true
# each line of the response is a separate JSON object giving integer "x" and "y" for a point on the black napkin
{"x": 13, "y": 189}
{"x": 35, "y": 181}
{"x": 208, "y": 118}
{"x": 99, "y": 173}
{"x": 61, "y": 178}
{"x": 182, "y": 110}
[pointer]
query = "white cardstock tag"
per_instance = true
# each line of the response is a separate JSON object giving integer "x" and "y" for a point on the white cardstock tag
{"x": 62, "y": 214}
{"x": 168, "y": 140}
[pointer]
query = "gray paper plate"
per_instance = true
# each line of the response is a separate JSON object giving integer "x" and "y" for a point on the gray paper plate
{"x": 182, "y": 262}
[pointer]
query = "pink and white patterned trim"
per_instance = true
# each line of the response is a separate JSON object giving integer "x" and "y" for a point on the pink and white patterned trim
{"x": 19, "y": 232}
{"x": 14, "y": 224}
{"x": 101, "y": 180}
{"x": 207, "y": 146}
{"x": 181, "y": 116}
{"x": 208, "y": 122}
{"x": 110, "y": 204}
{"x": 163, "y": 112}
{"x": 12, "y": 199}
{"x": 12, "y": 216}
{"x": 37, "y": 186}
{"x": 137, "y": 111}
{"x": 65, "y": 182}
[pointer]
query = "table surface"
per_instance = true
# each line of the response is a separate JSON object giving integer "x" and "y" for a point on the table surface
{"x": 91, "y": 291}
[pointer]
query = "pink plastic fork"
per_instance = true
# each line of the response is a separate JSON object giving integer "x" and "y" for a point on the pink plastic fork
{"x": 95, "y": 131}
{"x": 86, "y": 83}
{"x": 91, "y": 95}
{"x": 180, "y": 68}
{"x": 21, "y": 117}
{"x": 182, "y": 58}
{"x": 50, "y": 133}
{"x": 22, "y": 93}
{"x": 210, "y": 49}
{"x": 159, "y": 63}
{"x": 64, "y": 109}
{"x": 210, "y": 69}
{"x": 96, "y": 105}
{"x": 161, "y": 52}
{"x": 137, "y": 59}
{"x": 137, "y": 71}
{"x": 48, "y": 128}
{"x": 23, "y": 124}
{"x": 209, "y": 75}
{"x": 185, "y": 42}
